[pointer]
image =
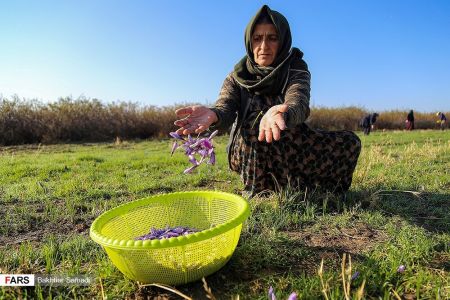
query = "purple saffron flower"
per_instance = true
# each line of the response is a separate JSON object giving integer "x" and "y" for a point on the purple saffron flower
{"x": 271, "y": 294}
{"x": 193, "y": 160}
{"x": 401, "y": 269}
{"x": 176, "y": 136}
{"x": 203, "y": 152}
{"x": 207, "y": 144}
{"x": 189, "y": 170}
{"x": 174, "y": 147}
{"x": 196, "y": 144}
{"x": 178, "y": 230}
{"x": 166, "y": 233}
{"x": 355, "y": 276}
{"x": 212, "y": 158}
{"x": 189, "y": 151}
{"x": 193, "y": 146}
{"x": 293, "y": 296}
{"x": 213, "y": 134}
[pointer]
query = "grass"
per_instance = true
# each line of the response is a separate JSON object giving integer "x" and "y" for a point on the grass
{"x": 396, "y": 213}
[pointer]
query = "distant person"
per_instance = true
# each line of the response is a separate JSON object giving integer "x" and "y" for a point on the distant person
{"x": 442, "y": 120}
{"x": 266, "y": 99}
{"x": 410, "y": 120}
{"x": 367, "y": 123}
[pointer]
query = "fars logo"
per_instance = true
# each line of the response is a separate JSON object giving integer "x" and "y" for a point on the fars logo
{"x": 16, "y": 279}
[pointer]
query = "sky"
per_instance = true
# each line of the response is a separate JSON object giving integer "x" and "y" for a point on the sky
{"x": 380, "y": 55}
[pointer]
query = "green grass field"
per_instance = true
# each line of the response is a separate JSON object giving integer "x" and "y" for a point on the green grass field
{"x": 397, "y": 213}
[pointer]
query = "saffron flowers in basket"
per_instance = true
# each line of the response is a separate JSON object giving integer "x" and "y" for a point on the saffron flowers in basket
{"x": 194, "y": 147}
{"x": 166, "y": 233}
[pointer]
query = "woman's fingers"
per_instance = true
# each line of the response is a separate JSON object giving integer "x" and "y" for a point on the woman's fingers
{"x": 280, "y": 123}
{"x": 195, "y": 118}
{"x": 261, "y": 135}
{"x": 201, "y": 128}
{"x": 273, "y": 132}
{"x": 184, "y": 111}
{"x": 268, "y": 135}
{"x": 187, "y": 129}
{"x": 276, "y": 132}
{"x": 180, "y": 123}
{"x": 279, "y": 118}
{"x": 272, "y": 123}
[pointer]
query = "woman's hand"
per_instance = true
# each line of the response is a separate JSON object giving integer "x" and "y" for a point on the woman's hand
{"x": 272, "y": 123}
{"x": 195, "y": 118}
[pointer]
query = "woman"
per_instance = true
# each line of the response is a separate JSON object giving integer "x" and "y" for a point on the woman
{"x": 410, "y": 120}
{"x": 267, "y": 97}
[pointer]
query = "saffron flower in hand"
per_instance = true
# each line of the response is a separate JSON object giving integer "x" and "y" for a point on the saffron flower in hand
{"x": 193, "y": 147}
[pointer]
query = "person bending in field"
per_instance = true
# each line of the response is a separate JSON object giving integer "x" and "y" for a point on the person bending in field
{"x": 367, "y": 123}
{"x": 442, "y": 120}
{"x": 410, "y": 121}
{"x": 265, "y": 100}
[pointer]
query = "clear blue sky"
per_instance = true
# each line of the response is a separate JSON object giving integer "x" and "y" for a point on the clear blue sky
{"x": 378, "y": 54}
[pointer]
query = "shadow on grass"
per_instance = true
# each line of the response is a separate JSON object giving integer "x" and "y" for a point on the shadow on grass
{"x": 428, "y": 210}
{"x": 299, "y": 251}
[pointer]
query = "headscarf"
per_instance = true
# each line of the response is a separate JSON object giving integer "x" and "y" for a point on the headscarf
{"x": 272, "y": 79}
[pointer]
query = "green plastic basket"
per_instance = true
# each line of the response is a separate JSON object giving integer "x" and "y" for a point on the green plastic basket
{"x": 176, "y": 260}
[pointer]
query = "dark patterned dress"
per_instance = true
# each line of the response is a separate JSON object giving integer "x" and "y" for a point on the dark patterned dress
{"x": 303, "y": 157}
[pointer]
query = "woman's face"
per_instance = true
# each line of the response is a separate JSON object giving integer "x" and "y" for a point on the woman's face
{"x": 265, "y": 44}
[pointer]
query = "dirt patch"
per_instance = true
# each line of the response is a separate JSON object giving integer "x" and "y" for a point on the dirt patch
{"x": 333, "y": 242}
{"x": 37, "y": 236}
{"x": 210, "y": 183}
{"x": 157, "y": 190}
{"x": 358, "y": 238}
{"x": 440, "y": 262}
{"x": 34, "y": 228}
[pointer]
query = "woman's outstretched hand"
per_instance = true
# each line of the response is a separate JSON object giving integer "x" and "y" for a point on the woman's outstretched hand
{"x": 272, "y": 123}
{"x": 195, "y": 118}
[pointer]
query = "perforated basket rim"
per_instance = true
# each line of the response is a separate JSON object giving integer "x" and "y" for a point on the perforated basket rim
{"x": 105, "y": 241}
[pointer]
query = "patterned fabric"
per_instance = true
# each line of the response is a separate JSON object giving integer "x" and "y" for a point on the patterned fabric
{"x": 303, "y": 157}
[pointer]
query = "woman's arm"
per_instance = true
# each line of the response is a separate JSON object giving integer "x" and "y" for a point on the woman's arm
{"x": 297, "y": 97}
{"x": 228, "y": 104}
{"x": 294, "y": 110}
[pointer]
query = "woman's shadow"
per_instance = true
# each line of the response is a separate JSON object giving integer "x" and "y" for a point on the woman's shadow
{"x": 299, "y": 250}
{"x": 429, "y": 210}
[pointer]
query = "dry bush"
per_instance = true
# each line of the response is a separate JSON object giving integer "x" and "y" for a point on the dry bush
{"x": 72, "y": 120}
{"x": 348, "y": 118}
{"x": 395, "y": 119}
{"x": 345, "y": 118}
{"x": 20, "y": 121}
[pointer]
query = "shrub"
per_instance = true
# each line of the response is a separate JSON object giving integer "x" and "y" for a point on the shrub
{"x": 25, "y": 121}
